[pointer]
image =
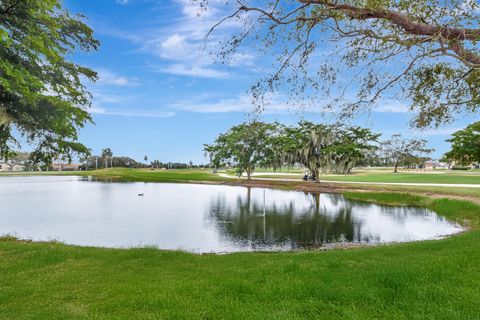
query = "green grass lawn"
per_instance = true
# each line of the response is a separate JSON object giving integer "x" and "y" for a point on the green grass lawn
{"x": 205, "y": 175}
{"x": 421, "y": 280}
{"x": 450, "y": 178}
{"x": 183, "y": 175}
{"x": 147, "y": 175}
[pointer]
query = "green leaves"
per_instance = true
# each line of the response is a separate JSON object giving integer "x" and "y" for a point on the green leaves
{"x": 465, "y": 145}
{"x": 331, "y": 148}
{"x": 400, "y": 151}
{"x": 425, "y": 52}
{"x": 440, "y": 91}
{"x": 41, "y": 92}
{"x": 245, "y": 145}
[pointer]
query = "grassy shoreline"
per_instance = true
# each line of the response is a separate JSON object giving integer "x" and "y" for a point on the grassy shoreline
{"x": 435, "y": 279}
{"x": 419, "y": 280}
{"x": 206, "y": 177}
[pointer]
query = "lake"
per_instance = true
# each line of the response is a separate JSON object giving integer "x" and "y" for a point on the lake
{"x": 201, "y": 218}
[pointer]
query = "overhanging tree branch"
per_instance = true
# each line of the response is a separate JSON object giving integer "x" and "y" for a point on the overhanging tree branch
{"x": 420, "y": 37}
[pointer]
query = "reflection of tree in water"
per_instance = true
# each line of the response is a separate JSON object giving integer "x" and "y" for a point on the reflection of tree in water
{"x": 244, "y": 222}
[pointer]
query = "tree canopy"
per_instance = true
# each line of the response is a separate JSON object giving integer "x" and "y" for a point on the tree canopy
{"x": 328, "y": 148}
{"x": 358, "y": 52}
{"x": 247, "y": 145}
{"x": 465, "y": 149}
{"x": 319, "y": 147}
{"x": 398, "y": 150}
{"x": 41, "y": 91}
{"x": 107, "y": 155}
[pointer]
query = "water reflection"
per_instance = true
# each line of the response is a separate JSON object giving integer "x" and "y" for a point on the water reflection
{"x": 320, "y": 219}
{"x": 200, "y": 218}
{"x": 282, "y": 224}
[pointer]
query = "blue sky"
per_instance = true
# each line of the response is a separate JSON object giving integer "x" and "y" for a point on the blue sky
{"x": 160, "y": 94}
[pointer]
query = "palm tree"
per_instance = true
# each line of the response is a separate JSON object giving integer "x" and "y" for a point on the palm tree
{"x": 145, "y": 158}
{"x": 107, "y": 154}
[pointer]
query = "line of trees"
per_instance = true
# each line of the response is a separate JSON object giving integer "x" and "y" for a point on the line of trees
{"x": 107, "y": 160}
{"x": 321, "y": 148}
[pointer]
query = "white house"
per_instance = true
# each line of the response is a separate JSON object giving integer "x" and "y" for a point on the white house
{"x": 11, "y": 167}
{"x": 433, "y": 165}
{"x": 66, "y": 167}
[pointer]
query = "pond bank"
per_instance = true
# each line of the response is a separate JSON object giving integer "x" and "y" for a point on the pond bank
{"x": 468, "y": 194}
{"x": 427, "y": 279}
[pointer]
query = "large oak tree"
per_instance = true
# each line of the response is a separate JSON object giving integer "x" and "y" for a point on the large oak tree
{"x": 246, "y": 145}
{"x": 398, "y": 150}
{"x": 42, "y": 96}
{"x": 358, "y": 52}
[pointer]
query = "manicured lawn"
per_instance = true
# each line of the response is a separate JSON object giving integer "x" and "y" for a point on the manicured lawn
{"x": 181, "y": 175}
{"x": 205, "y": 175}
{"x": 422, "y": 280}
{"x": 450, "y": 178}
{"x": 147, "y": 175}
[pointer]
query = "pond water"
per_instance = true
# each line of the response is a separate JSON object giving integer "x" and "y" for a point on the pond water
{"x": 201, "y": 218}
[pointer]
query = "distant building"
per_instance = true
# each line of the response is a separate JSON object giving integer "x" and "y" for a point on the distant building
{"x": 433, "y": 165}
{"x": 66, "y": 167}
{"x": 11, "y": 167}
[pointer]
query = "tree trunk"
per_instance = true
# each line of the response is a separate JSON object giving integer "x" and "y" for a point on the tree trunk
{"x": 395, "y": 169}
{"x": 317, "y": 203}
{"x": 317, "y": 176}
{"x": 249, "y": 174}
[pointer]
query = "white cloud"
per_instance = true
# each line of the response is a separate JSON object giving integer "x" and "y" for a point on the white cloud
{"x": 175, "y": 41}
{"x": 132, "y": 113}
{"x": 180, "y": 43}
{"x": 278, "y": 104}
{"x": 391, "y": 106}
{"x": 237, "y": 104}
{"x": 122, "y": 1}
{"x": 194, "y": 71}
{"x": 106, "y": 77}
